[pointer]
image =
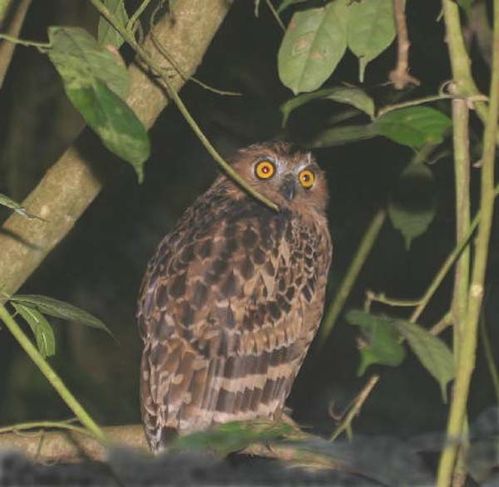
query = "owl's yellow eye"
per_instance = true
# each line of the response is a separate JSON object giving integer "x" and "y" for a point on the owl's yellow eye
{"x": 307, "y": 178}
{"x": 264, "y": 170}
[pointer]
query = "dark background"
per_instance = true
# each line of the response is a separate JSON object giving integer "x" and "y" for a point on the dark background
{"x": 100, "y": 264}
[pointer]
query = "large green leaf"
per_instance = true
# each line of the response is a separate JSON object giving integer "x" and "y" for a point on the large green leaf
{"x": 13, "y": 205}
{"x": 59, "y": 309}
{"x": 414, "y": 126}
{"x": 371, "y": 29}
{"x": 94, "y": 81}
{"x": 106, "y": 33}
{"x": 349, "y": 95}
{"x": 432, "y": 352}
{"x": 412, "y": 207}
{"x": 313, "y": 45}
{"x": 41, "y": 328}
{"x": 382, "y": 341}
{"x": 234, "y": 436}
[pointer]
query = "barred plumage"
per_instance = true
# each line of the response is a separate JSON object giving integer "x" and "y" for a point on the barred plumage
{"x": 233, "y": 297}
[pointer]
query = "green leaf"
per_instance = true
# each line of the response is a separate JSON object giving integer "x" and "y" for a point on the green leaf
{"x": 312, "y": 47}
{"x": 432, "y": 352}
{"x": 10, "y": 203}
{"x": 41, "y": 328}
{"x": 59, "y": 309}
{"x": 382, "y": 340}
{"x": 106, "y": 33}
{"x": 349, "y": 95}
{"x": 414, "y": 126}
{"x": 93, "y": 81}
{"x": 233, "y": 436}
{"x": 287, "y": 3}
{"x": 79, "y": 59}
{"x": 412, "y": 207}
{"x": 371, "y": 29}
{"x": 342, "y": 135}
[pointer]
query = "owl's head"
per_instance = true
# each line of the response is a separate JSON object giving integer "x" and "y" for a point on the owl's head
{"x": 289, "y": 177}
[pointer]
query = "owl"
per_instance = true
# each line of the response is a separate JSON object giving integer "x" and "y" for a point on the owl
{"x": 233, "y": 297}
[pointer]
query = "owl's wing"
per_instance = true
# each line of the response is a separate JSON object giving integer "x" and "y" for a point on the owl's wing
{"x": 223, "y": 320}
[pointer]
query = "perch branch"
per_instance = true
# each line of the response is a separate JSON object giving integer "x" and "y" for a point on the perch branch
{"x": 63, "y": 445}
{"x": 74, "y": 181}
{"x": 467, "y": 350}
{"x": 7, "y": 48}
{"x": 400, "y": 76}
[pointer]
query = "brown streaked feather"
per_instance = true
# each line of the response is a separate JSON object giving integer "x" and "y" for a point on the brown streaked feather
{"x": 228, "y": 308}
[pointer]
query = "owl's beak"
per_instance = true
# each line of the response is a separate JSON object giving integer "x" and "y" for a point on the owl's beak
{"x": 288, "y": 188}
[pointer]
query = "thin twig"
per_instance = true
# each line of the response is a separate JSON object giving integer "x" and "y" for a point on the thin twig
{"x": 275, "y": 14}
{"x": 383, "y": 299}
{"x": 400, "y": 76}
{"x": 50, "y": 374}
{"x": 356, "y": 407}
{"x": 411, "y": 103}
{"x": 43, "y": 425}
{"x": 42, "y": 46}
{"x": 7, "y": 48}
{"x": 177, "y": 68}
{"x": 135, "y": 17}
{"x": 346, "y": 286}
{"x": 441, "y": 325}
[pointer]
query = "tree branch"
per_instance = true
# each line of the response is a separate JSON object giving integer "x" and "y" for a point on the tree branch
{"x": 73, "y": 182}
{"x": 467, "y": 349}
{"x": 72, "y": 446}
{"x": 400, "y": 76}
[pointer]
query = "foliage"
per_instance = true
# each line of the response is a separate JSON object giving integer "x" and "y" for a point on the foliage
{"x": 318, "y": 39}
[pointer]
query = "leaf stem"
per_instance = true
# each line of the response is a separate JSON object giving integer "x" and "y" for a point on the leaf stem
{"x": 275, "y": 14}
{"x": 467, "y": 352}
{"x": 23, "y": 42}
{"x": 129, "y": 38}
{"x": 50, "y": 374}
